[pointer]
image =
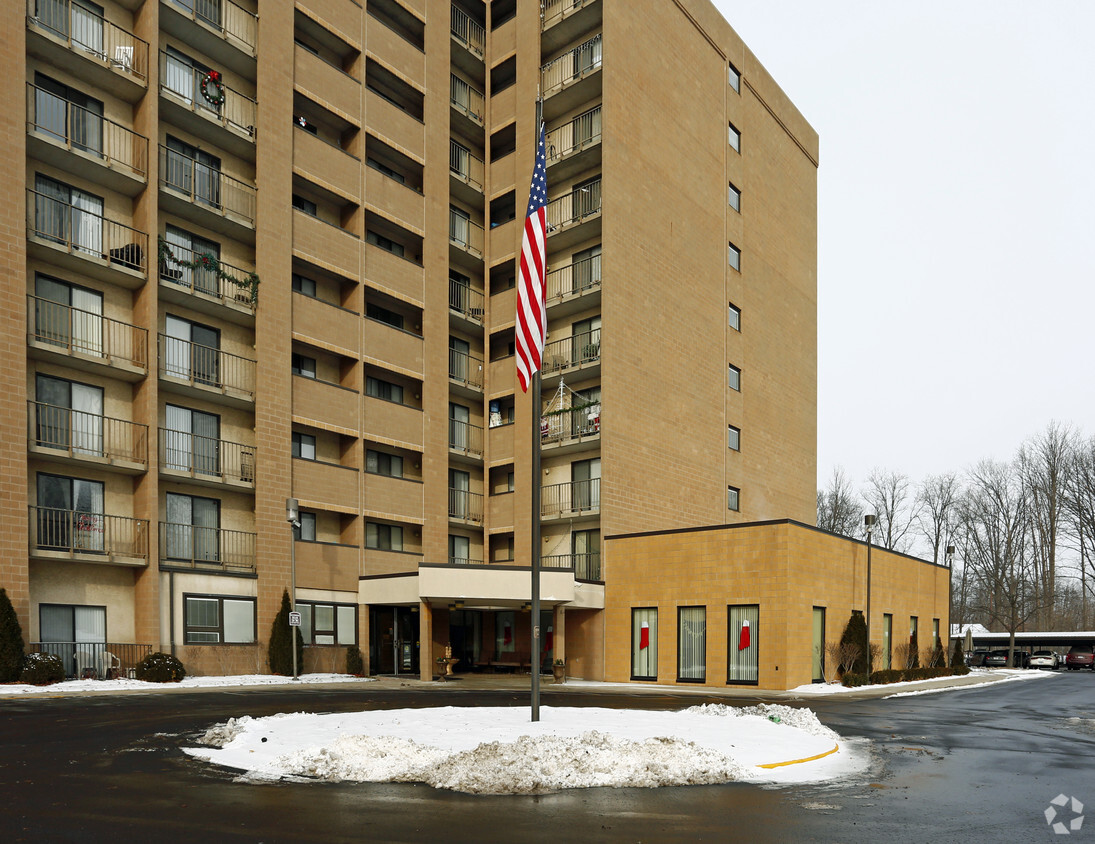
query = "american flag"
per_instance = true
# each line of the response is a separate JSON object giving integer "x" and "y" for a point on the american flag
{"x": 531, "y": 316}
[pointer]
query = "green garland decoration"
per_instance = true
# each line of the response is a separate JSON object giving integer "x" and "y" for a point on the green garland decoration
{"x": 569, "y": 409}
{"x": 208, "y": 263}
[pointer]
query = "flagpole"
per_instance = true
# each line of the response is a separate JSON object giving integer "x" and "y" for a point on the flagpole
{"x": 536, "y": 484}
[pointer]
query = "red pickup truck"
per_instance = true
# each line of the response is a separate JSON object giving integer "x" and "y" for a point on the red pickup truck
{"x": 1079, "y": 656}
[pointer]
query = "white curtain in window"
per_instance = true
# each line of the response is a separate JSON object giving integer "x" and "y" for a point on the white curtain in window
{"x": 692, "y": 643}
{"x": 743, "y": 630}
{"x": 87, "y": 505}
{"x": 90, "y": 624}
{"x": 87, "y": 321}
{"x": 347, "y": 627}
{"x": 87, "y": 27}
{"x": 87, "y": 419}
{"x": 644, "y": 642}
{"x": 179, "y": 242}
{"x": 178, "y": 439}
{"x": 87, "y": 222}
{"x": 177, "y": 347}
{"x": 239, "y": 621}
{"x": 179, "y": 75}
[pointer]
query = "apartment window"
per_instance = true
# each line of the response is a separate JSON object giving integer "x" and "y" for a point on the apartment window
{"x": 734, "y": 198}
{"x": 192, "y": 351}
{"x": 935, "y": 634}
{"x": 68, "y": 315}
{"x": 382, "y": 463}
{"x": 67, "y": 114}
{"x": 914, "y": 629}
{"x": 733, "y": 438}
{"x": 735, "y": 79}
{"x": 304, "y": 285}
{"x": 183, "y": 75}
{"x": 191, "y": 441}
{"x": 382, "y": 314}
{"x": 305, "y": 205}
{"x": 303, "y": 365}
{"x": 585, "y": 549}
{"x": 76, "y": 633}
{"x": 217, "y": 619}
{"x": 384, "y": 243}
{"x": 735, "y": 257}
{"x": 887, "y": 641}
{"x": 742, "y": 643}
{"x": 327, "y": 624}
{"x": 692, "y": 644}
{"x": 68, "y": 215}
{"x": 192, "y": 530}
{"x": 383, "y": 537}
{"x": 509, "y": 481}
{"x": 733, "y": 498}
{"x": 306, "y": 532}
{"x": 459, "y": 549}
{"x": 734, "y": 377}
{"x": 386, "y": 170}
{"x": 305, "y": 124}
{"x": 644, "y": 643}
{"x": 70, "y": 514}
{"x": 735, "y": 316}
{"x": 186, "y": 247}
{"x": 735, "y": 138}
{"x": 380, "y": 389}
{"x": 193, "y": 172}
{"x": 68, "y": 415}
{"x": 304, "y": 446}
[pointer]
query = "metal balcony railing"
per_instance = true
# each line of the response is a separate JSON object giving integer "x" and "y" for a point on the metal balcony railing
{"x": 464, "y": 561}
{"x": 78, "y": 532}
{"x": 183, "y": 82}
{"x": 95, "y": 660}
{"x": 555, "y": 10}
{"x": 209, "y": 457}
{"x": 574, "y": 136}
{"x": 88, "y": 33}
{"x": 468, "y": 32}
{"x": 236, "y": 288}
{"x": 233, "y": 22}
{"x": 464, "y": 165}
{"x": 585, "y": 566}
{"x": 465, "y": 505}
{"x": 465, "y": 368}
{"x": 79, "y": 129}
{"x": 574, "y": 278}
{"x": 86, "y": 233}
{"x": 465, "y": 233}
{"x": 466, "y": 99}
{"x": 465, "y": 438}
{"x": 571, "y": 66}
{"x": 572, "y": 208}
{"x": 576, "y": 350}
{"x": 575, "y": 497}
{"x": 74, "y": 331}
{"x": 204, "y": 366}
{"x": 79, "y": 434}
{"x": 206, "y": 185}
{"x": 191, "y": 546}
{"x": 466, "y": 300}
{"x": 577, "y": 424}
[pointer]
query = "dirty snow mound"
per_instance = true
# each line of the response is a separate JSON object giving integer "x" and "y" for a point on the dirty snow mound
{"x": 802, "y": 719}
{"x": 220, "y": 734}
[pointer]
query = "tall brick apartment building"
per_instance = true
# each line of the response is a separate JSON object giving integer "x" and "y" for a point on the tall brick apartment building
{"x": 261, "y": 250}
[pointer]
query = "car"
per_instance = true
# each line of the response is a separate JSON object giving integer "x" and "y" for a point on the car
{"x": 1079, "y": 656}
{"x": 976, "y": 659}
{"x": 996, "y": 659}
{"x": 1045, "y": 659}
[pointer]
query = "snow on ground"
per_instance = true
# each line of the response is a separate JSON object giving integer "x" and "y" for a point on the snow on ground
{"x": 1002, "y": 675}
{"x": 70, "y": 686}
{"x": 499, "y": 750}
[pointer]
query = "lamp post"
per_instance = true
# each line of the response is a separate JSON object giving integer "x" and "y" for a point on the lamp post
{"x": 868, "y": 523}
{"x": 950, "y": 587}
{"x": 292, "y": 516}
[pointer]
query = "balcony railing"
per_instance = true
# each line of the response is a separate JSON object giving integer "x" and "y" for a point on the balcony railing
{"x": 465, "y": 505}
{"x": 209, "y": 278}
{"x": 571, "y": 66}
{"x": 74, "y": 331}
{"x": 468, "y": 32}
{"x": 465, "y": 437}
{"x": 464, "y": 165}
{"x": 206, "y": 457}
{"x": 77, "y": 532}
{"x": 555, "y": 10}
{"x": 89, "y": 34}
{"x": 465, "y": 233}
{"x": 577, "y": 350}
{"x": 574, "y": 207}
{"x": 84, "y": 232}
{"x": 190, "y": 546}
{"x": 574, "y": 497}
{"x": 81, "y": 434}
{"x": 464, "y": 561}
{"x": 95, "y": 660}
{"x": 184, "y": 83}
{"x": 79, "y": 129}
{"x": 206, "y": 185}
{"x": 204, "y": 366}
{"x": 574, "y": 279}
{"x": 584, "y": 566}
{"x": 466, "y": 369}
{"x": 574, "y": 136}
{"x": 233, "y": 22}
{"x": 579, "y": 423}
{"x": 466, "y": 99}
{"x": 466, "y": 300}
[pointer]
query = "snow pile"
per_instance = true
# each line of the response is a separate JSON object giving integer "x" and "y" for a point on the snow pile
{"x": 220, "y": 734}
{"x": 126, "y": 684}
{"x": 498, "y": 750}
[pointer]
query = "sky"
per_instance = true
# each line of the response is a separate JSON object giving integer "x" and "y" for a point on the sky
{"x": 955, "y": 219}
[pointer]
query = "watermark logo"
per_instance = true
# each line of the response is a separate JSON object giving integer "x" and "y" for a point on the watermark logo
{"x": 1062, "y": 820}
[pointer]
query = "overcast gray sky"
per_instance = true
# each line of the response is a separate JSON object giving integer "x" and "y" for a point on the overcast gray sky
{"x": 955, "y": 220}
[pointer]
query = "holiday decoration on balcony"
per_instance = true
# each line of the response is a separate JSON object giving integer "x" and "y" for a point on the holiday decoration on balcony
{"x": 212, "y": 88}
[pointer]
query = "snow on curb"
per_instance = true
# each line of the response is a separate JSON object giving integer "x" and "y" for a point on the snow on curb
{"x": 125, "y": 684}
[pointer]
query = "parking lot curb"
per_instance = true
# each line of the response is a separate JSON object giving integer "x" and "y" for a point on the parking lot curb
{"x": 836, "y": 747}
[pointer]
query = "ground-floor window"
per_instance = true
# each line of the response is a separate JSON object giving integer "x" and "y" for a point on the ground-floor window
{"x": 817, "y": 662}
{"x": 692, "y": 644}
{"x": 505, "y": 634}
{"x": 77, "y": 634}
{"x": 644, "y": 643}
{"x": 887, "y": 641}
{"x": 743, "y": 646}
{"x": 216, "y": 619}
{"x": 327, "y": 624}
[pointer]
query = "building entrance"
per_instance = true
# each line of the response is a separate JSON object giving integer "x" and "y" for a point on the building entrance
{"x": 393, "y": 640}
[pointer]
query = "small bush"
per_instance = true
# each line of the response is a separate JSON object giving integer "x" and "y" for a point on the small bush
{"x": 960, "y": 670}
{"x": 355, "y": 664}
{"x": 853, "y": 643}
{"x": 42, "y": 669}
{"x": 160, "y": 668}
{"x": 280, "y": 650}
{"x": 11, "y": 641}
{"x": 886, "y": 675}
{"x": 851, "y": 680}
{"x": 958, "y": 656}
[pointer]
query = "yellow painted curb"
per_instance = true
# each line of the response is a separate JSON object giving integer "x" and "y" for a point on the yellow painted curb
{"x": 807, "y": 759}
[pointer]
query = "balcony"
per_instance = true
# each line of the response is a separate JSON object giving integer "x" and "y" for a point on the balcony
{"x": 395, "y": 423}
{"x": 572, "y": 78}
{"x": 466, "y": 370}
{"x": 336, "y": 326}
{"x": 395, "y": 126}
{"x": 181, "y": 88}
{"x": 465, "y": 506}
{"x": 465, "y": 439}
{"x": 93, "y": 49}
{"x": 325, "y": 83}
{"x": 86, "y": 340}
{"x": 327, "y": 245}
{"x": 500, "y": 443}
{"x": 331, "y": 405}
{"x": 394, "y": 200}
{"x": 467, "y": 33}
{"x": 569, "y": 211}
{"x": 393, "y": 348}
{"x": 85, "y": 143}
{"x": 204, "y": 194}
{"x": 466, "y": 301}
{"x": 327, "y": 482}
{"x": 392, "y": 274}
{"x": 565, "y": 21}
{"x": 468, "y": 102}
{"x": 396, "y": 498}
{"x": 86, "y": 242}
{"x": 466, "y": 235}
{"x": 197, "y": 370}
{"x": 87, "y": 437}
{"x": 208, "y": 25}
{"x": 79, "y": 536}
{"x": 467, "y": 172}
{"x": 95, "y": 660}
{"x": 568, "y": 430}
{"x": 328, "y": 165}
{"x": 579, "y": 351}
{"x": 570, "y": 500}
{"x": 206, "y": 460}
{"x": 584, "y": 566}
{"x": 574, "y": 147}
{"x": 194, "y": 548}
{"x": 210, "y": 287}
{"x": 570, "y": 283}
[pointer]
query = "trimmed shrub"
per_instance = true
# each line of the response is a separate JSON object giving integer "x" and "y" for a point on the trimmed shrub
{"x": 355, "y": 664}
{"x": 160, "y": 668}
{"x": 11, "y": 641}
{"x": 886, "y": 675}
{"x": 914, "y": 650}
{"x": 42, "y": 669}
{"x": 851, "y": 680}
{"x": 853, "y": 643}
{"x": 281, "y": 637}
{"x": 960, "y": 670}
{"x": 958, "y": 656}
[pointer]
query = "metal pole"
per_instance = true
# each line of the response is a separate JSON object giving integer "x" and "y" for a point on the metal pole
{"x": 536, "y": 482}
{"x": 293, "y": 596}
{"x": 869, "y": 602}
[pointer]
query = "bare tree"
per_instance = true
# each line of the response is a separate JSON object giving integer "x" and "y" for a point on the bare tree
{"x": 889, "y": 495}
{"x": 937, "y": 500}
{"x": 1080, "y": 516}
{"x": 838, "y": 510}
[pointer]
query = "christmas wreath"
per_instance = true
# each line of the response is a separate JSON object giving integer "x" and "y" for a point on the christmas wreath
{"x": 213, "y": 88}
